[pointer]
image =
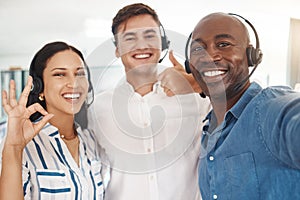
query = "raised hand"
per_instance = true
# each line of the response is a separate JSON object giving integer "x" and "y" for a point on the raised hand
{"x": 20, "y": 130}
{"x": 175, "y": 80}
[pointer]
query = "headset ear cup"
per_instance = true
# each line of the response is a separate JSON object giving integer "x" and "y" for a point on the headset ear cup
{"x": 164, "y": 43}
{"x": 33, "y": 97}
{"x": 258, "y": 55}
{"x": 187, "y": 66}
{"x": 251, "y": 56}
{"x": 37, "y": 85}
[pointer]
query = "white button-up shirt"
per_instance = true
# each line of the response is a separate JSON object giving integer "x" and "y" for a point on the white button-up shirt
{"x": 152, "y": 142}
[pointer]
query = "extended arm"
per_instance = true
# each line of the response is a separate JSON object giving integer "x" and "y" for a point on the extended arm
{"x": 282, "y": 132}
{"x": 20, "y": 130}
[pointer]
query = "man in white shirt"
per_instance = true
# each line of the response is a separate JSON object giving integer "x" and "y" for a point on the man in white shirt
{"x": 150, "y": 132}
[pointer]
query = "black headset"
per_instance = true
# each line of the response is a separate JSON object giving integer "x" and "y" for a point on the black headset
{"x": 37, "y": 83}
{"x": 254, "y": 54}
{"x": 165, "y": 42}
{"x": 38, "y": 87}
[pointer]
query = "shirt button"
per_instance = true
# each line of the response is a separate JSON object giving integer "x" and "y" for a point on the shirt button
{"x": 149, "y": 150}
{"x": 215, "y": 196}
{"x": 211, "y": 158}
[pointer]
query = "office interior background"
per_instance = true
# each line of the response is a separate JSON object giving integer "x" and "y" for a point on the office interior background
{"x": 27, "y": 25}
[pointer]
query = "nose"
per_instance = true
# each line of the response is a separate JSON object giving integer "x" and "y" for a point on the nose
{"x": 72, "y": 82}
{"x": 141, "y": 43}
{"x": 212, "y": 54}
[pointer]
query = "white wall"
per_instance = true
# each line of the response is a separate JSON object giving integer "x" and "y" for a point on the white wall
{"x": 270, "y": 18}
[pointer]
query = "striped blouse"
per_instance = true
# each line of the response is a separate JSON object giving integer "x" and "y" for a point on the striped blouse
{"x": 50, "y": 172}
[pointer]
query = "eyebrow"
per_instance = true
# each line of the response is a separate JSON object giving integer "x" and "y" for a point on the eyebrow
{"x": 62, "y": 68}
{"x": 134, "y": 33}
{"x": 149, "y": 31}
{"x": 128, "y": 34}
{"x": 198, "y": 40}
{"x": 220, "y": 36}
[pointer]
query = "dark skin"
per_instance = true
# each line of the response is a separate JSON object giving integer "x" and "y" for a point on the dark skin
{"x": 218, "y": 60}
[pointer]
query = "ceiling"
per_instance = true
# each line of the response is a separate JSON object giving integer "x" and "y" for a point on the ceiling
{"x": 27, "y": 25}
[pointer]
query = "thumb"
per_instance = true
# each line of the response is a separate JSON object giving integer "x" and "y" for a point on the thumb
{"x": 38, "y": 126}
{"x": 174, "y": 61}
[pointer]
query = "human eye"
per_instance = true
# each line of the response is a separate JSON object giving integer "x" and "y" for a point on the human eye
{"x": 81, "y": 73}
{"x": 197, "y": 49}
{"x": 59, "y": 74}
{"x": 150, "y": 36}
{"x": 129, "y": 38}
{"x": 223, "y": 44}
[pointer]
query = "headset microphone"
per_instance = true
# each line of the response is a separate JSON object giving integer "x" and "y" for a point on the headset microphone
{"x": 254, "y": 55}
{"x": 243, "y": 82}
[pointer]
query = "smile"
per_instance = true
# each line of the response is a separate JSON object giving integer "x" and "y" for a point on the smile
{"x": 142, "y": 56}
{"x": 213, "y": 73}
{"x": 71, "y": 95}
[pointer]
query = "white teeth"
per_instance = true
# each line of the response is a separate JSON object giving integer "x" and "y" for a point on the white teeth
{"x": 140, "y": 56}
{"x": 71, "y": 96}
{"x": 213, "y": 73}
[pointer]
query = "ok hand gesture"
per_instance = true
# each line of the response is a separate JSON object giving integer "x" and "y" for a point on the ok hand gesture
{"x": 20, "y": 130}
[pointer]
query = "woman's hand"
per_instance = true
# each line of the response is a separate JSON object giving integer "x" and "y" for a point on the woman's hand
{"x": 20, "y": 130}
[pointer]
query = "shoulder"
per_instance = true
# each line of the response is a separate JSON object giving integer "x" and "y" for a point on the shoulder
{"x": 278, "y": 90}
{"x": 87, "y": 136}
{"x": 108, "y": 95}
{"x": 195, "y": 102}
{"x": 279, "y": 94}
{"x": 277, "y": 103}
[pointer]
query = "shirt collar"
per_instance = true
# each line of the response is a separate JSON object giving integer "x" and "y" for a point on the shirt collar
{"x": 249, "y": 94}
{"x": 238, "y": 108}
{"x": 52, "y": 131}
{"x": 156, "y": 88}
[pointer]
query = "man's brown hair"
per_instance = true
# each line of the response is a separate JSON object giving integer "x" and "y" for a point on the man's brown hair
{"x": 129, "y": 11}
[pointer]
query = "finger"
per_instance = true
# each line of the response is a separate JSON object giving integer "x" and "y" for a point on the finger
{"x": 174, "y": 61}
{"x": 38, "y": 126}
{"x": 12, "y": 93}
{"x": 161, "y": 76}
{"x": 26, "y": 91}
{"x": 36, "y": 108}
{"x": 5, "y": 104}
{"x": 168, "y": 92}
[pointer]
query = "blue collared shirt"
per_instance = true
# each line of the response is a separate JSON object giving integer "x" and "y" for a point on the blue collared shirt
{"x": 254, "y": 153}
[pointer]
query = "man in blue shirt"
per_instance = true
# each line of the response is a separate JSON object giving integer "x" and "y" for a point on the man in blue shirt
{"x": 250, "y": 144}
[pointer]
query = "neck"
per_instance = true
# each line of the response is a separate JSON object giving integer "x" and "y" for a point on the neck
{"x": 144, "y": 89}
{"x": 142, "y": 84}
{"x": 222, "y": 104}
{"x": 65, "y": 126}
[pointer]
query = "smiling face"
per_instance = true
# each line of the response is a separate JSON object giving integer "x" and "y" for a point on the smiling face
{"x": 139, "y": 42}
{"x": 65, "y": 83}
{"x": 218, "y": 56}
